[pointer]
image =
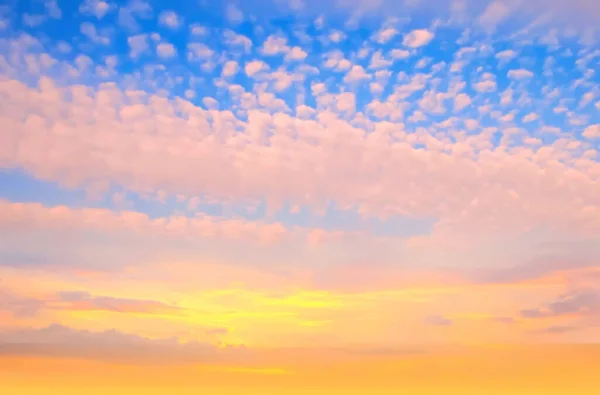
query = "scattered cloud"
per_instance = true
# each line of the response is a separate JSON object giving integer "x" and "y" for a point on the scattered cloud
{"x": 417, "y": 38}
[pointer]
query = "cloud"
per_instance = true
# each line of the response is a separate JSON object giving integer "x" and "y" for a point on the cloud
{"x": 98, "y": 8}
{"x": 486, "y": 84}
{"x": 32, "y": 216}
{"x": 230, "y": 68}
{"x": 198, "y": 30}
{"x": 399, "y": 53}
{"x": 506, "y": 55}
{"x": 337, "y": 36}
{"x": 198, "y": 51}
{"x": 520, "y": 74}
{"x": 237, "y": 40}
{"x": 254, "y": 67}
{"x": 495, "y": 13}
{"x": 83, "y": 301}
{"x": 530, "y": 117}
{"x": 559, "y": 329}
{"x": 378, "y": 61}
{"x": 166, "y": 50}
{"x": 275, "y": 45}
{"x": 356, "y": 74}
{"x": 417, "y": 38}
{"x": 579, "y": 303}
{"x": 170, "y": 19}
{"x": 592, "y": 132}
{"x": 296, "y": 53}
{"x": 384, "y": 35}
{"x": 111, "y": 345}
{"x": 129, "y": 13}
{"x": 138, "y": 45}
{"x": 461, "y": 101}
{"x": 17, "y": 306}
{"x": 89, "y": 30}
{"x": 234, "y": 14}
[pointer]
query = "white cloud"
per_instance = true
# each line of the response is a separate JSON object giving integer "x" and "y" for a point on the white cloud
{"x": 170, "y": 19}
{"x": 151, "y": 126}
{"x": 254, "y": 67}
{"x": 592, "y": 132}
{"x": 530, "y": 117}
{"x": 234, "y": 39}
{"x": 378, "y": 61}
{"x": 494, "y": 14}
{"x": 461, "y": 101}
{"x": 98, "y": 8}
{"x": 230, "y": 68}
{"x": 506, "y": 55}
{"x": 296, "y": 53}
{"x": 520, "y": 74}
{"x": 89, "y": 30}
{"x": 275, "y": 45}
{"x": 52, "y": 9}
{"x": 486, "y": 84}
{"x": 296, "y": 5}
{"x": 134, "y": 9}
{"x": 385, "y": 35}
{"x": 399, "y": 53}
{"x": 138, "y": 45}
{"x": 64, "y": 47}
{"x": 417, "y": 38}
{"x": 234, "y": 14}
{"x": 33, "y": 20}
{"x": 165, "y": 50}
{"x": 198, "y": 30}
{"x": 376, "y": 88}
{"x": 337, "y": 36}
{"x": 586, "y": 99}
{"x": 336, "y": 60}
{"x": 423, "y": 62}
{"x": 356, "y": 74}
{"x": 198, "y": 51}
{"x": 210, "y": 103}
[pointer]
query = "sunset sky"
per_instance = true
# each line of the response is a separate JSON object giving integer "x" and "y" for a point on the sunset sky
{"x": 299, "y": 196}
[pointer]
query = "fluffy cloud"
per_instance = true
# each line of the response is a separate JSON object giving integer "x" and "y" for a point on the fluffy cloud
{"x": 254, "y": 67}
{"x": 98, "y": 8}
{"x": 530, "y": 117}
{"x": 495, "y": 13}
{"x": 166, "y": 50}
{"x": 385, "y": 35}
{"x": 592, "y": 132}
{"x": 37, "y": 135}
{"x": 461, "y": 101}
{"x": 520, "y": 74}
{"x": 234, "y": 14}
{"x": 417, "y": 38}
{"x": 169, "y": 19}
{"x": 230, "y": 68}
{"x": 138, "y": 45}
{"x": 356, "y": 74}
{"x": 34, "y": 216}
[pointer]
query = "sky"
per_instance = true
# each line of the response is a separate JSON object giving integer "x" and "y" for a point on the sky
{"x": 266, "y": 197}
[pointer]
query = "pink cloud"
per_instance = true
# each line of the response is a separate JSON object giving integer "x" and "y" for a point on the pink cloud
{"x": 466, "y": 182}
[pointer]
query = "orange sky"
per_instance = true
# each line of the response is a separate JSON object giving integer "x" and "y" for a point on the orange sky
{"x": 517, "y": 370}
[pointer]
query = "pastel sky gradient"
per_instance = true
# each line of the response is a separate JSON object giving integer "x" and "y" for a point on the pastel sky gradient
{"x": 299, "y": 196}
